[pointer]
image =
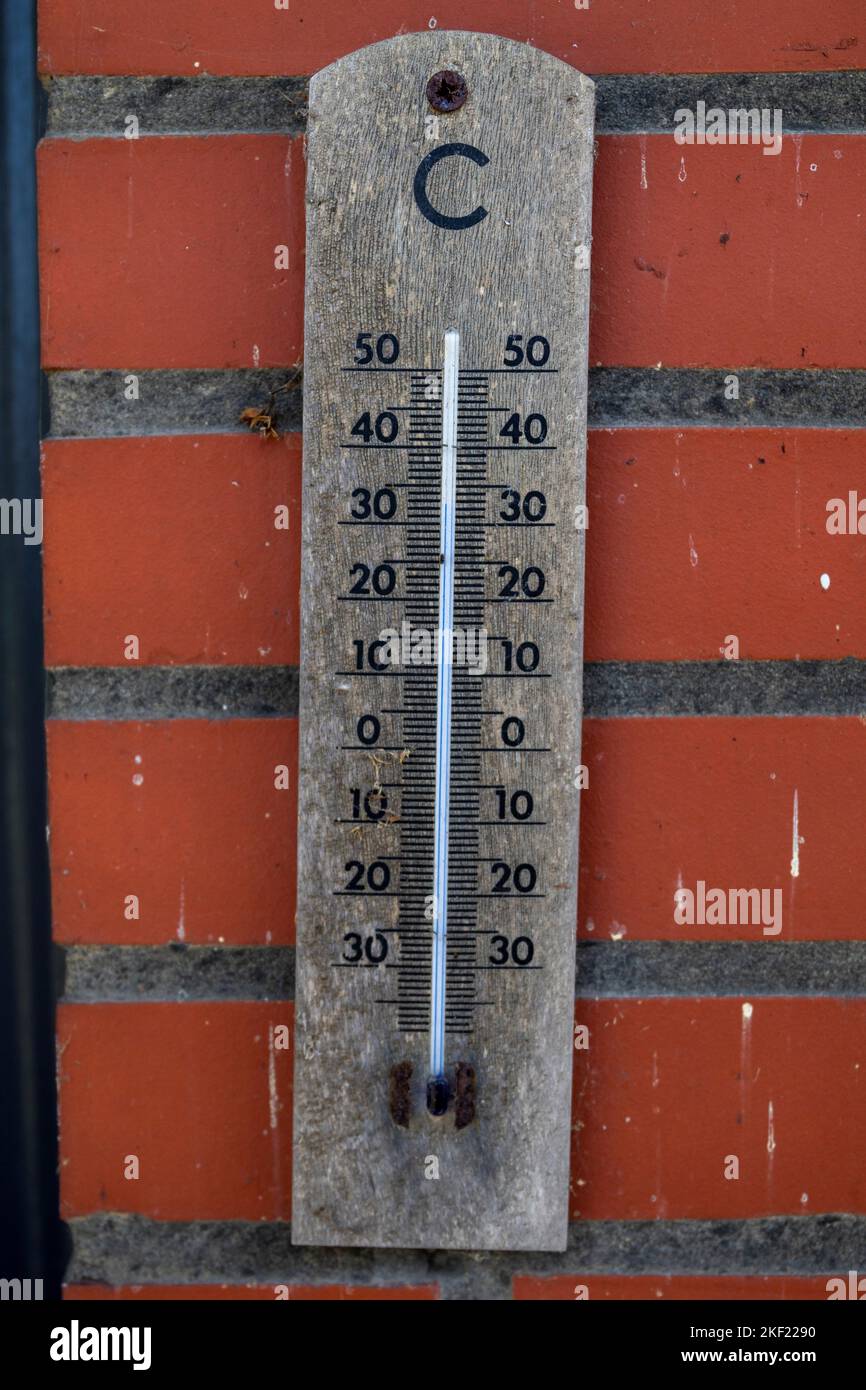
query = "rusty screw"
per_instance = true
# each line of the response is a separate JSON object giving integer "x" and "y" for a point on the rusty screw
{"x": 446, "y": 91}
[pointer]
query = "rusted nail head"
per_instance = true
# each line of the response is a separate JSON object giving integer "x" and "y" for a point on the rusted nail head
{"x": 446, "y": 90}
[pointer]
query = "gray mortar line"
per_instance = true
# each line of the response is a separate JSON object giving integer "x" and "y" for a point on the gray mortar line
{"x": 612, "y": 690}
{"x": 740, "y": 689}
{"x": 171, "y": 692}
{"x": 83, "y": 106}
{"x": 177, "y": 973}
{"x": 670, "y": 397}
{"x": 116, "y": 1248}
{"x": 766, "y": 968}
{"x": 92, "y": 404}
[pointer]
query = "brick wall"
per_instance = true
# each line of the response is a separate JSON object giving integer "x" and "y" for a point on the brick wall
{"x": 173, "y": 851}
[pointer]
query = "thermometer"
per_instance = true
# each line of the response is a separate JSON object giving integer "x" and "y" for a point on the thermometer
{"x": 447, "y": 279}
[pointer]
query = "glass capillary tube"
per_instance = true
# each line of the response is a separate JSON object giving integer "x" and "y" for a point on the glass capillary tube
{"x": 437, "y": 1086}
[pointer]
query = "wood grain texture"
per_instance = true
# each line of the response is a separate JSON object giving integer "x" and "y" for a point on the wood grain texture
{"x": 376, "y": 264}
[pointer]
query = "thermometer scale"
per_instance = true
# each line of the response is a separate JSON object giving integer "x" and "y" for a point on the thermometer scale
{"x": 448, "y": 230}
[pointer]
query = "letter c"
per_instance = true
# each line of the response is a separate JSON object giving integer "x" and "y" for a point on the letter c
{"x": 451, "y": 224}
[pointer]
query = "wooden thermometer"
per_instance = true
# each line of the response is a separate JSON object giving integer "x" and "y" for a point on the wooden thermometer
{"x": 448, "y": 233}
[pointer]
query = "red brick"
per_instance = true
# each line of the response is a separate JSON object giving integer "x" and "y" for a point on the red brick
{"x": 669, "y": 801}
{"x": 562, "y": 1287}
{"x": 698, "y": 534}
{"x": 196, "y": 1091}
{"x": 667, "y": 1090}
{"x": 192, "y": 36}
{"x": 670, "y": 1087}
{"x": 160, "y": 252}
{"x": 687, "y": 528}
{"x": 172, "y": 539}
{"x": 360, "y": 1293}
{"x": 265, "y": 1293}
{"x": 672, "y": 801}
{"x": 785, "y": 289}
{"x": 204, "y": 840}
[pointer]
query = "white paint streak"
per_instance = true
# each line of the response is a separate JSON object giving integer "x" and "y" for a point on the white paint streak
{"x": 273, "y": 1102}
{"x": 643, "y": 177}
{"x": 798, "y": 187}
{"x": 745, "y": 1058}
{"x": 693, "y": 554}
{"x": 825, "y": 581}
{"x": 771, "y": 1130}
{"x": 795, "y": 838}
{"x": 181, "y": 920}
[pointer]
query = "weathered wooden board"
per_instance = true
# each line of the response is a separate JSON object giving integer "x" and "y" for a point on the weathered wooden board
{"x": 475, "y": 220}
